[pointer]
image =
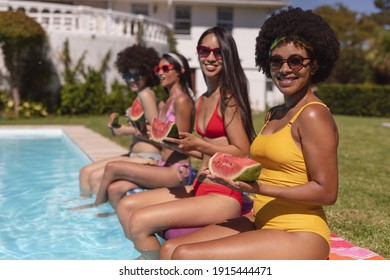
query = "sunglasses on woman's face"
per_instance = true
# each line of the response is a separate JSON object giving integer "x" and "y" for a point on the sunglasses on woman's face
{"x": 132, "y": 76}
{"x": 165, "y": 68}
{"x": 295, "y": 62}
{"x": 204, "y": 52}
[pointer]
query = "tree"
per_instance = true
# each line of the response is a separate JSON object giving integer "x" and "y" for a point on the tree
{"x": 379, "y": 56}
{"x": 383, "y": 17}
{"x": 20, "y": 36}
{"x": 356, "y": 34}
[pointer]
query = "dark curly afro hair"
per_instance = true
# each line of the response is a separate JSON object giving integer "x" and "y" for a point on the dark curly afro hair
{"x": 141, "y": 58}
{"x": 303, "y": 28}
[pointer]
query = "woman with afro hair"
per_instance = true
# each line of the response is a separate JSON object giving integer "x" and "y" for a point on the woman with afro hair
{"x": 297, "y": 148}
{"x": 135, "y": 64}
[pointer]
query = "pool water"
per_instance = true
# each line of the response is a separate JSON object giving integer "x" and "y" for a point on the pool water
{"x": 39, "y": 172}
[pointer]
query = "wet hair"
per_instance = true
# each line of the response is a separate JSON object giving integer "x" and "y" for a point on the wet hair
{"x": 305, "y": 29}
{"x": 141, "y": 58}
{"x": 179, "y": 61}
{"x": 233, "y": 82}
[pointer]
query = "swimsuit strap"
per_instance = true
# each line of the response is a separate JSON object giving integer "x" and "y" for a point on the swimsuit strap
{"x": 303, "y": 107}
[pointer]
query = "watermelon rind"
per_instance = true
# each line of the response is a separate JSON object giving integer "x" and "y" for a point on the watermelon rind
{"x": 114, "y": 120}
{"x": 170, "y": 127}
{"x": 222, "y": 164}
{"x": 136, "y": 112}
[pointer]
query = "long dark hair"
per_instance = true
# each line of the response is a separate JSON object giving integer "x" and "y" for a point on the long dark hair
{"x": 233, "y": 82}
{"x": 184, "y": 77}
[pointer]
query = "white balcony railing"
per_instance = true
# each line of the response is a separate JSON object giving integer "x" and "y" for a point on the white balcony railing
{"x": 88, "y": 20}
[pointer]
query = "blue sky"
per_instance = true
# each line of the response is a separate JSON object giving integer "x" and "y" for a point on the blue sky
{"x": 360, "y": 6}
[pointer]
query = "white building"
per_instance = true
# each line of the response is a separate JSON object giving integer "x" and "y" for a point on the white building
{"x": 187, "y": 18}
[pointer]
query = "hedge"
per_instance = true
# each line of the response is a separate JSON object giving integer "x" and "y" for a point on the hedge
{"x": 356, "y": 100}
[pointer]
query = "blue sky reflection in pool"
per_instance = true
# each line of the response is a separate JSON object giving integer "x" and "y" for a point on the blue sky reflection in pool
{"x": 38, "y": 180}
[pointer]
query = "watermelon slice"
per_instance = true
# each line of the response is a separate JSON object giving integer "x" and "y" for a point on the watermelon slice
{"x": 161, "y": 130}
{"x": 136, "y": 112}
{"x": 235, "y": 168}
{"x": 114, "y": 120}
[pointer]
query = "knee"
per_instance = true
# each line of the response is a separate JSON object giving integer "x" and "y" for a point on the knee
{"x": 167, "y": 249}
{"x": 84, "y": 171}
{"x": 110, "y": 167}
{"x": 125, "y": 211}
{"x": 136, "y": 224}
{"x": 95, "y": 180}
{"x": 182, "y": 252}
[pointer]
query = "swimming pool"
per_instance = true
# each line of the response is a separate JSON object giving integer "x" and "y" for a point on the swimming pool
{"x": 39, "y": 172}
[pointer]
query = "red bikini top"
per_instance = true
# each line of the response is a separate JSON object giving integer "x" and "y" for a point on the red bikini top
{"x": 215, "y": 127}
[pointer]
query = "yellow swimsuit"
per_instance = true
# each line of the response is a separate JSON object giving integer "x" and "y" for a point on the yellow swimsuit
{"x": 283, "y": 165}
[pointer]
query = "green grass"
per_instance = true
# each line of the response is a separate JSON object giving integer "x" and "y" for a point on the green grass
{"x": 361, "y": 214}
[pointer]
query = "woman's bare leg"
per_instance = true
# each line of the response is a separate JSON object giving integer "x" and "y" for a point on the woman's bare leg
{"x": 85, "y": 173}
{"x": 90, "y": 185}
{"x": 148, "y": 176}
{"x": 211, "y": 232}
{"x": 146, "y": 221}
{"x": 117, "y": 190}
{"x": 129, "y": 204}
{"x": 257, "y": 245}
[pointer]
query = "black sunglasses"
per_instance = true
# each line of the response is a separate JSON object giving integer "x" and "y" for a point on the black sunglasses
{"x": 295, "y": 62}
{"x": 165, "y": 68}
{"x": 130, "y": 76}
{"x": 204, "y": 52}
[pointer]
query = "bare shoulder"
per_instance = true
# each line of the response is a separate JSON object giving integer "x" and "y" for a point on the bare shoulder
{"x": 315, "y": 112}
{"x": 183, "y": 99}
{"x": 147, "y": 93}
{"x": 316, "y": 117}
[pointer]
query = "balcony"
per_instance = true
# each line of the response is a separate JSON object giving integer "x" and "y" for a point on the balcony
{"x": 86, "y": 20}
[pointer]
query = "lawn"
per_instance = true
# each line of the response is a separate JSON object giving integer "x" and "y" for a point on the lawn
{"x": 361, "y": 214}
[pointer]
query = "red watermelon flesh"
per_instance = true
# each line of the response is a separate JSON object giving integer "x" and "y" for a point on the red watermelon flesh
{"x": 114, "y": 120}
{"x": 136, "y": 112}
{"x": 161, "y": 130}
{"x": 235, "y": 168}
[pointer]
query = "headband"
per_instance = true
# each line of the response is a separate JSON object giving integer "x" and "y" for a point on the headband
{"x": 176, "y": 57}
{"x": 276, "y": 42}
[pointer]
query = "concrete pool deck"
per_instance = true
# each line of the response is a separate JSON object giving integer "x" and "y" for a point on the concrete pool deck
{"x": 93, "y": 144}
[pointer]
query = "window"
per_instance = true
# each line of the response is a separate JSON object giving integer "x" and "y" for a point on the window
{"x": 140, "y": 9}
{"x": 225, "y": 18}
{"x": 182, "y": 20}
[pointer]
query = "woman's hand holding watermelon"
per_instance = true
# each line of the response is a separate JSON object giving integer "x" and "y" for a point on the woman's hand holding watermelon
{"x": 187, "y": 141}
{"x": 248, "y": 187}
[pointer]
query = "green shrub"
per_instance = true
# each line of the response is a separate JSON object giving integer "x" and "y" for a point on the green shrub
{"x": 357, "y": 100}
{"x": 120, "y": 98}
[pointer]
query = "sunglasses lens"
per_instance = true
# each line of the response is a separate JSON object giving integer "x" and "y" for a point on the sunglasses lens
{"x": 276, "y": 62}
{"x": 218, "y": 54}
{"x": 164, "y": 68}
{"x": 137, "y": 77}
{"x": 204, "y": 52}
{"x": 128, "y": 76}
{"x": 295, "y": 61}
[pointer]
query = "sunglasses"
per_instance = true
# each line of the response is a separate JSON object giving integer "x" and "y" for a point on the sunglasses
{"x": 295, "y": 62}
{"x": 130, "y": 76}
{"x": 165, "y": 68}
{"x": 204, "y": 52}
